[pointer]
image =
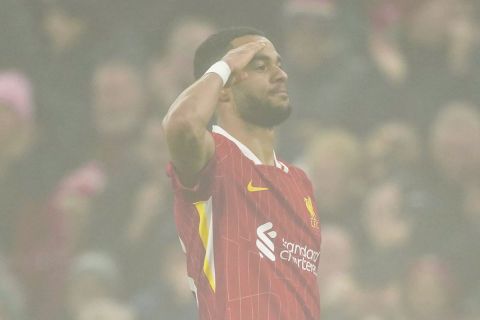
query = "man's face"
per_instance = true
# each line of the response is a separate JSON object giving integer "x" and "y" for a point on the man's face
{"x": 457, "y": 132}
{"x": 262, "y": 98}
{"x": 118, "y": 100}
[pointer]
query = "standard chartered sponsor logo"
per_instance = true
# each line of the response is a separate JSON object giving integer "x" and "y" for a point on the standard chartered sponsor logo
{"x": 302, "y": 256}
{"x": 264, "y": 242}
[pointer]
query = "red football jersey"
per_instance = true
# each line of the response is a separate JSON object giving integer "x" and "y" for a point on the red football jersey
{"x": 251, "y": 236}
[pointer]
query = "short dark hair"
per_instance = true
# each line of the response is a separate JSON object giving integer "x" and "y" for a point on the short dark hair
{"x": 216, "y": 46}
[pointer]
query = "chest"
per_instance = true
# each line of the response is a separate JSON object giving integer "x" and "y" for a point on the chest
{"x": 257, "y": 198}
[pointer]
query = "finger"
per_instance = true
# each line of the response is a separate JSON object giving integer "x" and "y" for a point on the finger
{"x": 250, "y": 51}
{"x": 254, "y": 45}
{"x": 260, "y": 46}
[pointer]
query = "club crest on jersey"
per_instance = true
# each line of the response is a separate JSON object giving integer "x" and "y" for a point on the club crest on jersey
{"x": 314, "y": 222}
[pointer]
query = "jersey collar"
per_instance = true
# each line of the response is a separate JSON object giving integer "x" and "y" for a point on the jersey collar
{"x": 243, "y": 148}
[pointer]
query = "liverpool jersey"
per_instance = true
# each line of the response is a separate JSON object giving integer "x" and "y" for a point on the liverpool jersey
{"x": 251, "y": 235}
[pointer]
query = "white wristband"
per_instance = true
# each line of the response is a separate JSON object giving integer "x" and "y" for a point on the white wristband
{"x": 222, "y": 69}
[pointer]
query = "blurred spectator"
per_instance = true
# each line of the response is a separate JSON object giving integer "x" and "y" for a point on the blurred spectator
{"x": 154, "y": 197}
{"x": 386, "y": 70}
{"x": 386, "y": 250}
{"x": 17, "y": 126}
{"x": 30, "y": 236}
{"x": 333, "y": 159}
{"x": 464, "y": 32}
{"x": 95, "y": 289}
{"x": 424, "y": 51}
{"x": 393, "y": 150}
{"x": 74, "y": 199}
{"x": 386, "y": 19}
{"x": 340, "y": 295}
{"x": 430, "y": 291}
{"x": 446, "y": 25}
{"x": 17, "y": 114}
{"x": 441, "y": 39}
{"x": 324, "y": 72}
{"x": 387, "y": 225}
{"x": 171, "y": 71}
{"x": 73, "y": 37}
{"x": 91, "y": 197}
{"x": 466, "y": 262}
{"x": 12, "y": 304}
{"x": 169, "y": 294}
{"x": 454, "y": 144}
{"x": 50, "y": 233}
{"x": 455, "y": 132}
{"x": 147, "y": 234}
{"x": 118, "y": 113}
{"x": 119, "y": 105}
{"x": 120, "y": 110}
{"x": 311, "y": 39}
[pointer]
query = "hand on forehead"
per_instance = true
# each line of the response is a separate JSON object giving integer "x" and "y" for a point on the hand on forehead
{"x": 268, "y": 51}
{"x": 237, "y": 42}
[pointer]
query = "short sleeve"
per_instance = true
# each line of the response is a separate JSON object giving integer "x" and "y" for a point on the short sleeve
{"x": 202, "y": 189}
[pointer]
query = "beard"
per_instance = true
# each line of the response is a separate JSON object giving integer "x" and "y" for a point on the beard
{"x": 263, "y": 113}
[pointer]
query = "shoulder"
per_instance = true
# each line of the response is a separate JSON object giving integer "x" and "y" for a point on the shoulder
{"x": 224, "y": 146}
{"x": 220, "y": 140}
{"x": 297, "y": 172}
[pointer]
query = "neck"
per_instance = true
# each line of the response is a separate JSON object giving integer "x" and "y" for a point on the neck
{"x": 259, "y": 140}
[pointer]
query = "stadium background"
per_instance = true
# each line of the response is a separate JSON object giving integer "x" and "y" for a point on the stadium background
{"x": 387, "y": 123}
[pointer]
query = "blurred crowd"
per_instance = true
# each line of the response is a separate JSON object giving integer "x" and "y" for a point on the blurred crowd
{"x": 386, "y": 121}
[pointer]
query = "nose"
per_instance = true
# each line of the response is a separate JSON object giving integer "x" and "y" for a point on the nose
{"x": 280, "y": 74}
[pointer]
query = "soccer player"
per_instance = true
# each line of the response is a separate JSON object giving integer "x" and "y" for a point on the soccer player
{"x": 247, "y": 221}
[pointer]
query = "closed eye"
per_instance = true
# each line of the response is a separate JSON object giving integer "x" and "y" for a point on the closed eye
{"x": 261, "y": 67}
{"x": 258, "y": 65}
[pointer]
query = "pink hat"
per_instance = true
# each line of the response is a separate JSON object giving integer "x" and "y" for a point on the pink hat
{"x": 16, "y": 93}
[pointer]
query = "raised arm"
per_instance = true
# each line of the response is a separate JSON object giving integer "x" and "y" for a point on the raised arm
{"x": 186, "y": 124}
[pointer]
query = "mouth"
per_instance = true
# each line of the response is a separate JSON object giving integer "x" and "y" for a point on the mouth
{"x": 279, "y": 91}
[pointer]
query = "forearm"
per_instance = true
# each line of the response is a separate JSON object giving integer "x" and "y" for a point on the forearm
{"x": 196, "y": 105}
{"x": 185, "y": 126}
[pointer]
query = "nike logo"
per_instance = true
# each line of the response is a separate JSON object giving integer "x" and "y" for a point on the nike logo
{"x": 252, "y": 188}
